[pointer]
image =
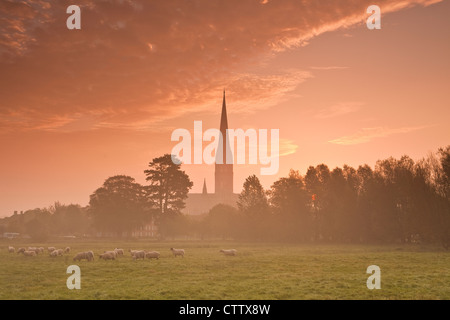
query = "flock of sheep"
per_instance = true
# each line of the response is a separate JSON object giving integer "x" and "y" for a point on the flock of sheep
{"x": 107, "y": 255}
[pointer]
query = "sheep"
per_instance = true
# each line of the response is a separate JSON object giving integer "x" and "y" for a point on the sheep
{"x": 54, "y": 253}
{"x": 139, "y": 255}
{"x": 29, "y": 253}
{"x": 114, "y": 253}
{"x": 36, "y": 250}
{"x": 90, "y": 255}
{"x": 119, "y": 252}
{"x": 132, "y": 251}
{"x": 108, "y": 256}
{"x": 80, "y": 256}
{"x": 152, "y": 255}
{"x": 177, "y": 252}
{"x": 41, "y": 249}
{"x": 11, "y": 249}
{"x": 21, "y": 250}
{"x": 230, "y": 252}
{"x": 67, "y": 250}
{"x": 50, "y": 249}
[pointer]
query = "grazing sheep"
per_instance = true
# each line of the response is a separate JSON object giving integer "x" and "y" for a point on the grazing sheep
{"x": 114, "y": 253}
{"x": 108, "y": 256}
{"x": 11, "y": 249}
{"x": 50, "y": 249}
{"x": 21, "y": 250}
{"x": 152, "y": 255}
{"x": 41, "y": 249}
{"x": 177, "y": 252}
{"x": 90, "y": 255}
{"x": 67, "y": 250}
{"x": 54, "y": 253}
{"x": 132, "y": 252}
{"x": 36, "y": 250}
{"x": 80, "y": 256}
{"x": 230, "y": 252}
{"x": 139, "y": 255}
{"x": 119, "y": 252}
{"x": 29, "y": 253}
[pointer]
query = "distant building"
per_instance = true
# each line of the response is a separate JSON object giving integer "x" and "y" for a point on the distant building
{"x": 199, "y": 203}
{"x": 148, "y": 230}
{"x": 11, "y": 235}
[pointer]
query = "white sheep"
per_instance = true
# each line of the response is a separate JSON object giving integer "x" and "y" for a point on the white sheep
{"x": 41, "y": 249}
{"x": 29, "y": 253}
{"x": 11, "y": 249}
{"x": 177, "y": 252}
{"x": 80, "y": 256}
{"x": 114, "y": 253}
{"x": 54, "y": 253}
{"x": 138, "y": 255}
{"x": 50, "y": 249}
{"x": 152, "y": 255}
{"x": 230, "y": 252}
{"x": 110, "y": 255}
{"x": 119, "y": 252}
{"x": 21, "y": 250}
{"x": 90, "y": 255}
{"x": 67, "y": 250}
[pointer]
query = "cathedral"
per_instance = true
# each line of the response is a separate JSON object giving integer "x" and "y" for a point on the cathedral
{"x": 200, "y": 203}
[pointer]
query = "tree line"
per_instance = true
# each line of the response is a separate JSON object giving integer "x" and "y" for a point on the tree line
{"x": 397, "y": 201}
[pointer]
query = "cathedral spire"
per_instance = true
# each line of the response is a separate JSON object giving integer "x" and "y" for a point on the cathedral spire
{"x": 223, "y": 118}
{"x": 205, "y": 191}
{"x": 224, "y": 168}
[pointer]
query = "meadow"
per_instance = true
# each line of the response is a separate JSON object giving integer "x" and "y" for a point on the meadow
{"x": 259, "y": 271}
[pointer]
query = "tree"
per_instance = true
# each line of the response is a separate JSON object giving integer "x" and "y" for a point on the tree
{"x": 222, "y": 221}
{"x": 254, "y": 207}
{"x": 168, "y": 189}
{"x": 445, "y": 164}
{"x": 317, "y": 180}
{"x": 69, "y": 219}
{"x": 119, "y": 205}
{"x": 290, "y": 204}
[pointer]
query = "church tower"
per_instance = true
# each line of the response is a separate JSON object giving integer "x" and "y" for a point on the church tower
{"x": 224, "y": 170}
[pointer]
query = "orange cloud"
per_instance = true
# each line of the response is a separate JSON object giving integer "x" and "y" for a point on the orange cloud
{"x": 137, "y": 63}
{"x": 368, "y": 134}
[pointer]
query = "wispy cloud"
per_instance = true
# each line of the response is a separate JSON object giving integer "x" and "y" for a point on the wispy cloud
{"x": 287, "y": 147}
{"x": 368, "y": 134}
{"x": 329, "y": 68}
{"x": 339, "y": 109}
{"x": 155, "y": 60}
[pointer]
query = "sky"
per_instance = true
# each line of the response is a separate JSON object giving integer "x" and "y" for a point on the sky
{"x": 79, "y": 106}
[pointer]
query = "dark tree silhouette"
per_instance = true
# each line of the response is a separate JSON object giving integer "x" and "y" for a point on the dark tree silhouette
{"x": 290, "y": 204}
{"x": 254, "y": 208}
{"x": 119, "y": 205}
{"x": 168, "y": 189}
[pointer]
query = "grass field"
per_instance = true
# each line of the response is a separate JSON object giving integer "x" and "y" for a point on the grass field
{"x": 259, "y": 271}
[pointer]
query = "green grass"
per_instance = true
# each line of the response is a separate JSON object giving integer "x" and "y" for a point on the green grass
{"x": 259, "y": 271}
